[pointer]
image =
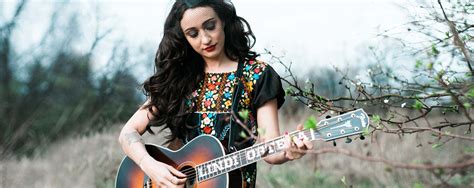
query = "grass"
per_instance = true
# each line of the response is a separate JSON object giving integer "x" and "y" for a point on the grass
{"x": 92, "y": 161}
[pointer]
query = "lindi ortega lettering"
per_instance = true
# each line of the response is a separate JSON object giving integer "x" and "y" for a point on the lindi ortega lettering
{"x": 218, "y": 166}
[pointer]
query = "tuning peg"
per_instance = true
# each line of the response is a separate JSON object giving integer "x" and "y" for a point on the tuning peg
{"x": 334, "y": 143}
{"x": 348, "y": 140}
{"x": 362, "y": 137}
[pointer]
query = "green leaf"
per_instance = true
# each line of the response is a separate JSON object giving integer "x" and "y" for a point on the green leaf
{"x": 429, "y": 66}
{"x": 366, "y": 131}
{"x": 289, "y": 91}
{"x": 437, "y": 145}
{"x": 310, "y": 123}
{"x": 470, "y": 93}
{"x": 242, "y": 134}
{"x": 244, "y": 114}
{"x": 467, "y": 105}
{"x": 418, "y": 185}
{"x": 418, "y": 105}
{"x": 434, "y": 50}
{"x": 418, "y": 64}
{"x": 376, "y": 119}
{"x": 441, "y": 73}
{"x": 343, "y": 180}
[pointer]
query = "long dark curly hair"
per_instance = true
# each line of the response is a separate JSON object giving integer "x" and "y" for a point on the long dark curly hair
{"x": 179, "y": 69}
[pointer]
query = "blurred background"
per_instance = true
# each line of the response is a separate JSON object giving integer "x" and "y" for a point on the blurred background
{"x": 70, "y": 74}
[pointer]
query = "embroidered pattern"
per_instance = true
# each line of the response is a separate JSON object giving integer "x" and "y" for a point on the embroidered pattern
{"x": 212, "y": 103}
{"x": 214, "y": 96}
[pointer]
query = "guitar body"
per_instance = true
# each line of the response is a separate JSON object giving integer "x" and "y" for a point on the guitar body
{"x": 199, "y": 150}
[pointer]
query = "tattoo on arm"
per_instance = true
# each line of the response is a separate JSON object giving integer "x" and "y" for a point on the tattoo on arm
{"x": 133, "y": 137}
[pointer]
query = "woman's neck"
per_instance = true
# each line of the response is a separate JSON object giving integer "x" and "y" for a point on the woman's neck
{"x": 222, "y": 64}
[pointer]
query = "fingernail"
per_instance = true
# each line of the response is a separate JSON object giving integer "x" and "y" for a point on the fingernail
{"x": 286, "y": 132}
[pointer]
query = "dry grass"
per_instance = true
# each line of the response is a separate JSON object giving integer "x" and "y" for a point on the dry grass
{"x": 92, "y": 161}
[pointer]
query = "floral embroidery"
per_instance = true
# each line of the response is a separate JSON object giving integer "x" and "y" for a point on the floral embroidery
{"x": 212, "y": 103}
{"x": 207, "y": 123}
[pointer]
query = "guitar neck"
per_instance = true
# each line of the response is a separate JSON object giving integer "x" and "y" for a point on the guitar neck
{"x": 249, "y": 155}
{"x": 347, "y": 124}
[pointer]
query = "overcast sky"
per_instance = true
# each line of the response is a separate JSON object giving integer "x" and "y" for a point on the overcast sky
{"x": 307, "y": 32}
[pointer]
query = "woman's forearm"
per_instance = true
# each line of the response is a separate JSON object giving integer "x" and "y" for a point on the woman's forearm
{"x": 132, "y": 144}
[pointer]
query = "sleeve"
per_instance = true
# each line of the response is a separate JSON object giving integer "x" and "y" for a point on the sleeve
{"x": 268, "y": 87}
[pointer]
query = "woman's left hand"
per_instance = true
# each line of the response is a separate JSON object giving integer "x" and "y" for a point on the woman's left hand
{"x": 297, "y": 147}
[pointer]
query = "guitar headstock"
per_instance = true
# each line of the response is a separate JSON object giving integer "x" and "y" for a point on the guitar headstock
{"x": 350, "y": 123}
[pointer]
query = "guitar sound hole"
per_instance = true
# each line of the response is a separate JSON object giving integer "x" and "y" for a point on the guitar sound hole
{"x": 191, "y": 175}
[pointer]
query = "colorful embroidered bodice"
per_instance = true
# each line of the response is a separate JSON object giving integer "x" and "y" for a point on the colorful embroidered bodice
{"x": 211, "y": 105}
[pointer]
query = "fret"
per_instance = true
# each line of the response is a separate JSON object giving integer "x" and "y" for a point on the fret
{"x": 214, "y": 169}
{"x": 243, "y": 158}
{"x": 208, "y": 172}
{"x": 218, "y": 166}
{"x": 209, "y": 169}
{"x": 271, "y": 147}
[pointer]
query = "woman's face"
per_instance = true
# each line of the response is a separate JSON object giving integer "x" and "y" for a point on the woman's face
{"x": 204, "y": 31}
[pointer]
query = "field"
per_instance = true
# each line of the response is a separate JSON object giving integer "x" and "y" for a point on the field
{"x": 92, "y": 161}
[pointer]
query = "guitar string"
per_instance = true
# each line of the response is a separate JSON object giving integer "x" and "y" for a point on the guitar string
{"x": 306, "y": 132}
{"x": 190, "y": 174}
{"x": 241, "y": 155}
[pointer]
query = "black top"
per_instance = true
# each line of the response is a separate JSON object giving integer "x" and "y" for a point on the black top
{"x": 211, "y": 104}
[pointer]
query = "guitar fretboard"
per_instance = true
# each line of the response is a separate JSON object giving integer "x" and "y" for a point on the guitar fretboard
{"x": 248, "y": 155}
{"x": 340, "y": 126}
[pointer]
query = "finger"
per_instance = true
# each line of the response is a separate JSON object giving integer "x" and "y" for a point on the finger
{"x": 172, "y": 179}
{"x": 180, "y": 181}
{"x": 175, "y": 180}
{"x": 300, "y": 127}
{"x": 289, "y": 156}
{"x": 288, "y": 142}
{"x": 299, "y": 144}
{"x": 308, "y": 144}
{"x": 176, "y": 172}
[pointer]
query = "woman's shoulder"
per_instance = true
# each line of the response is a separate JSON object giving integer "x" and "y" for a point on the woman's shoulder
{"x": 255, "y": 66}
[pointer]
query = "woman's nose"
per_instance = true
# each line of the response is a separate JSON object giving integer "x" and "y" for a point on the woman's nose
{"x": 206, "y": 38}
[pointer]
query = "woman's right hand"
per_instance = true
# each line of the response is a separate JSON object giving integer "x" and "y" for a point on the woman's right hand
{"x": 163, "y": 175}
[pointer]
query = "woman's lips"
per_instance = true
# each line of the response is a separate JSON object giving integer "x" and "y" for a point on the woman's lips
{"x": 210, "y": 48}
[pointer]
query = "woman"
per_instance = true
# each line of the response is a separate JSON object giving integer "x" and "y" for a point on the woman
{"x": 203, "y": 57}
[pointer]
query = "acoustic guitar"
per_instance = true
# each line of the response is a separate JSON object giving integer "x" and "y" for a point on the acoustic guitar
{"x": 205, "y": 163}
